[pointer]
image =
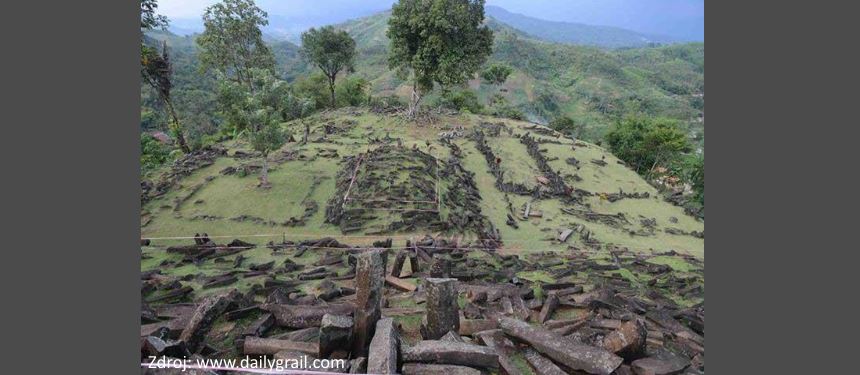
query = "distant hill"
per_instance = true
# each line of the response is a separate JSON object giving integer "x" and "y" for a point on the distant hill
{"x": 576, "y": 33}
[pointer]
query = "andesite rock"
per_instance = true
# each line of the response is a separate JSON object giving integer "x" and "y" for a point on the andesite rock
{"x": 369, "y": 280}
{"x": 430, "y": 369}
{"x": 335, "y": 336}
{"x": 628, "y": 340}
{"x": 542, "y": 365}
{"x": 451, "y": 353}
{"x": 384, "y": 348}
{"x": 300, "y": 316}
{"x": 561, "y": 349}
{"x": 442, "y": 311}
{"x": 201, "y": 321}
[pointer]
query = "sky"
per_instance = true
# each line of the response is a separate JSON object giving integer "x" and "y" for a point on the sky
{"x": 679, "y": 18}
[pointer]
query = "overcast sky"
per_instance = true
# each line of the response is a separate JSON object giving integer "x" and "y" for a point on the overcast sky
{"x": 683, "y": 18}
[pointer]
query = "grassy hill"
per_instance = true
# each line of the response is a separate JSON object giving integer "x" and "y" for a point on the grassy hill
{"x": 222, "y": 199}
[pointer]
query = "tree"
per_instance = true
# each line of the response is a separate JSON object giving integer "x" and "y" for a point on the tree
{"x": 256, "y": 109}
{"x": 266, "y": 137}
{"x": 645, "y": 142}
{"x": 156, "y": 70}
{"x": 496, "y": 74}
{"x": 232, "y": 42}
{"x": 150, "y": 20}
{"x": 330, "y": 50}
{"x": 437, "y": 41}
{"x": 566, "y": 125}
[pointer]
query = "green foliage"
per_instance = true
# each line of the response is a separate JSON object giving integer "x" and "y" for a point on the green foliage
{"x": 500, "y": 107}
{"x": 331, "y": 51}
{"x": 645, "y": 142}
{"x": 566, "y": 125}
{"x": 691, "y": 168}
{"x": 232, "y": 42}
{"x": 386, "y": 102}
{"x": 268, "y": 99}
{"x": 353, "y": 91}
{"x": 153, "y": 153}
{"x": 148, "y": 18}
{"x": 267, "y": 136}
{"x": 461, "y": 99}
{"x": 440, "y": 41}
{"x": 496, "y": 74}
{"x": 315, "y": 88}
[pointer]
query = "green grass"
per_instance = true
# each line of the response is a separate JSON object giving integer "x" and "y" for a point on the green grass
{"x": 226, "y": 197}
{"x": 677, "y": 264}
{"x": 536, "y": 276}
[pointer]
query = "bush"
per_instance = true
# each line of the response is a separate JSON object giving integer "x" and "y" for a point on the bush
{"x": 566, "y": 125}
{"x": 153, "y": 153}
{"x": 381, "y": 103}
{"x": 496, "y": 74}
{"x": 691, "y": 169}
{"x": 644, "y": 142}
{"x": 460, "y": 100}
{"x": 500, "y": 107}
{"x": 353, "y": 91}
{"x": 314, "y": 88}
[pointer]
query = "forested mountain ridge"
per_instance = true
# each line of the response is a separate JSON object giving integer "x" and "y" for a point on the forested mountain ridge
{"x": 578, "y": 33}
{"x": 593, "y": 86}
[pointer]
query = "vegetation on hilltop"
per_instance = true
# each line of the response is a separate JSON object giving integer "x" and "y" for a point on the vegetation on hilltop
{"x": 583, "y": 92}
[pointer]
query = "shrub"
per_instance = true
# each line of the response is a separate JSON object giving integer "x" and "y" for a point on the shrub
{"x": 566, "y": 125}
{"x": 353, "y": 91}
{"x": 460, "y": 100}
{"x": 645, "y": 142}
{"x": 153, "y": 153}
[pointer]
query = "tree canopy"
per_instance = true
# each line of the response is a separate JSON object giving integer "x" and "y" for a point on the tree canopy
{"x": 232, "y": 42}
{"x": 645, "y": 142}
{"x": 331, "y": 51}
{"x": 496, "y": 74}
{"x": 441, "y": 41}
{"x": 566, "y": 125}
{"x": 149, "y": 19}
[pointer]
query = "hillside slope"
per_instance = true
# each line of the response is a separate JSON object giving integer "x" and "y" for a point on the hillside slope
{"x": 576, "y": 33}
{"x": 591, "y": 85}
{"x": 432, "y": 191}
{"x": 377, "y": 176}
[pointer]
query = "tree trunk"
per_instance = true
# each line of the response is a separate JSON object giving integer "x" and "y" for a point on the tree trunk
{"x": 264, "y": 176}
{"x": 416, "y": 98}
{"x": 175, "y": 126}
{"x": 307, "y": 134}
{"x": 331, "y": 88}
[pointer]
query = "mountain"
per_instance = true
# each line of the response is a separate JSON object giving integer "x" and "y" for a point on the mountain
{"x": 576, "y": 33}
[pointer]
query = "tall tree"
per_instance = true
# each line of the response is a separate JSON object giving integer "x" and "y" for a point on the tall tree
{"x": 256, "y": 109}
{"x": 330, "y": 50}
{"x": 155, "y": 67}
{"x": 437, "y": 41}
{"x": 232, "y": 42}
